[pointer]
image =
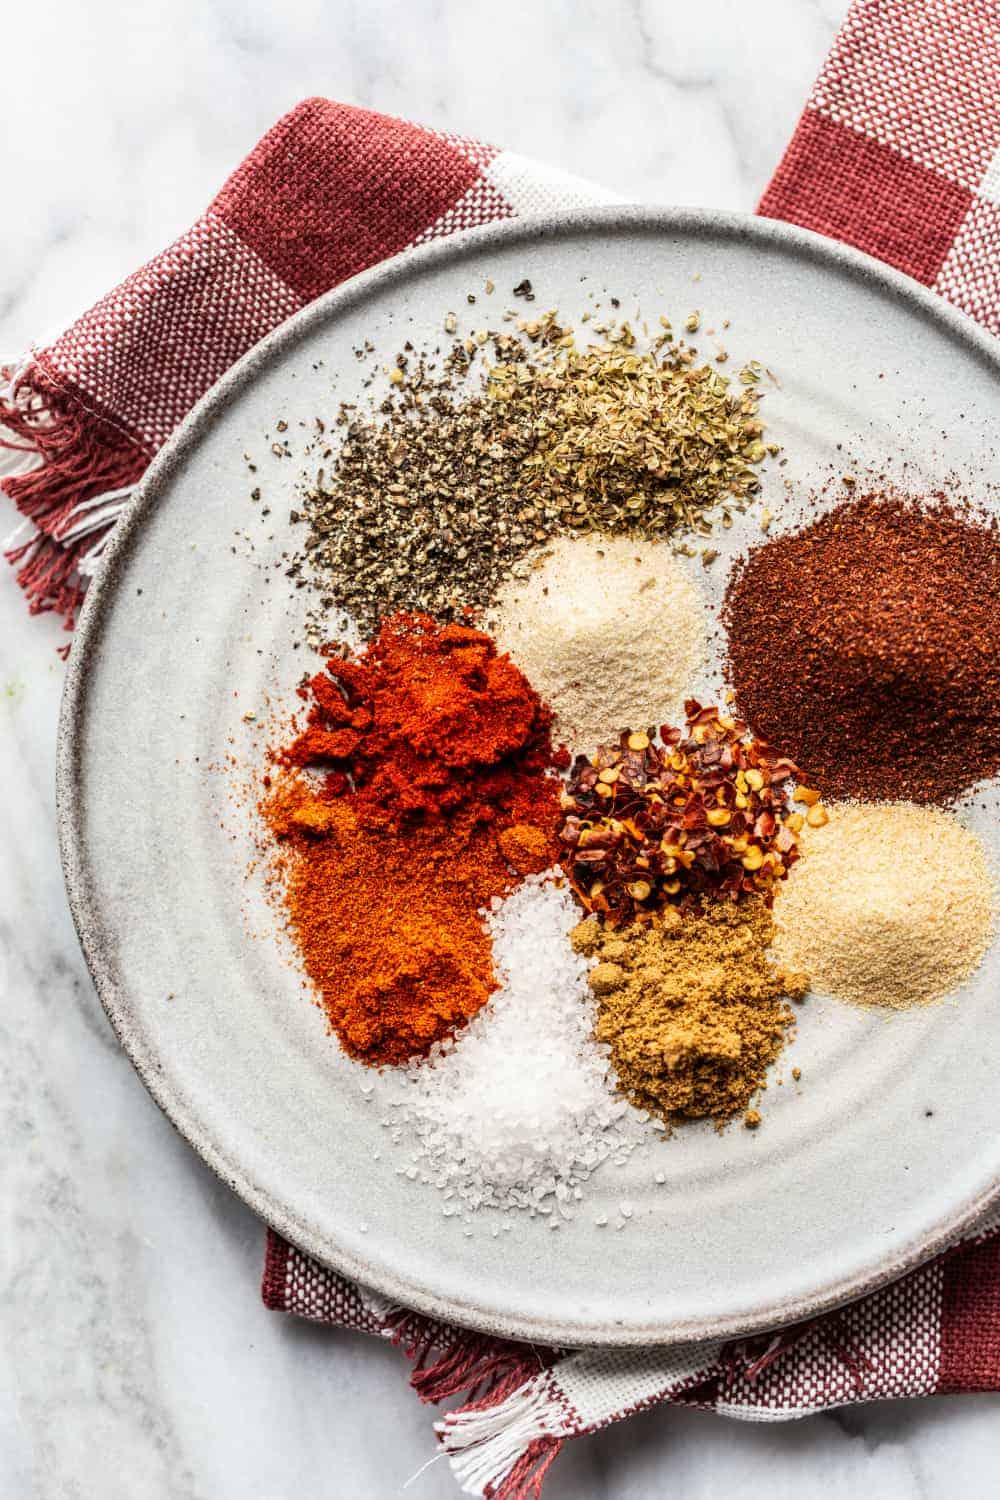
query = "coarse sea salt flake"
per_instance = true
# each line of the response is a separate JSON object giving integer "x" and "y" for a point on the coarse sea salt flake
{"x": 516, "y": 1113}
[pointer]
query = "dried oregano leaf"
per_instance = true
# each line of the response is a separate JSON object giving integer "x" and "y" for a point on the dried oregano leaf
{"x": 435, "y": 497}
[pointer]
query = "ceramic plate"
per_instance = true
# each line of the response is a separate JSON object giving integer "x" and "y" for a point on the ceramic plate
{"x": 890, "y": 1145}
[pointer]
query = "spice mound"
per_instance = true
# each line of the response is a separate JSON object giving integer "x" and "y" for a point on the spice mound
{"x": 891, "y": 905}
{"x": 692, "y": 1008}
{"x": 518, "y": 1110}
{"x": 624, "y": 437}
{"x": 609, "y": 630}
{"x": 707, "y": 809}
{"x": 437, "y": 496}
{"x": 420, "y": 721}
{"x": 428, "y": 731}
{"x": 864, "y": 646}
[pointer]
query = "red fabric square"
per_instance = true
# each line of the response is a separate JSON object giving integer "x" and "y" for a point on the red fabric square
{"x": 921, "y": 76}
{"x": 970, "y": 1319}
{"x": 332, "y": 190}
{"x": 850, "y": 187}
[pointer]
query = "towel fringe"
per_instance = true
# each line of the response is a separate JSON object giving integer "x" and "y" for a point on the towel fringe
{"x": 70, "y": 473}
{"x": 503, "y": 1450}
{"x": 449, "y": 1362}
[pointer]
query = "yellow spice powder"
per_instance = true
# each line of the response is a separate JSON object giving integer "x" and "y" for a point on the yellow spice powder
{"x": 892, "y": 905}
{"x": 692, "y": 1007}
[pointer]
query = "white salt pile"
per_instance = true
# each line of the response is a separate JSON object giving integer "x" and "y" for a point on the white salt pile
{"x": 609, "y": 631}
{"x": 518, "y": 1110}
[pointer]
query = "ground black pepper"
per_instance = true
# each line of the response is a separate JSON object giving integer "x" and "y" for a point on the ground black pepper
{"x": 864, "y": 647}
{"x": 437, "y": 497}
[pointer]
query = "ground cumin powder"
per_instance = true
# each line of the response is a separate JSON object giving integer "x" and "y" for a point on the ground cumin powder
{"x": 692, "y": 1007}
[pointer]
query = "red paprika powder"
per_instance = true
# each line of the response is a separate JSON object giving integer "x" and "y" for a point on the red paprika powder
{"x": 436, "y": 796}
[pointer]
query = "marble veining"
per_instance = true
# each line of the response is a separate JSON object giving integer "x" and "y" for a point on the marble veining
{"x": 136, "y": 1361}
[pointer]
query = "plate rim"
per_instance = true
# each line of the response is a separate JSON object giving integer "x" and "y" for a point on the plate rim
{"x": 100, "y": 600}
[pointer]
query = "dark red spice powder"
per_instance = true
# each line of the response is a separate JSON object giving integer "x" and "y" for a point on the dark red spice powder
{"x": 864, "y": 647}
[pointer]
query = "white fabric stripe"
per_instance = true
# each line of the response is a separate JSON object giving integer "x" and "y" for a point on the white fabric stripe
{"x": 767, "y": 1413}
{"x": 600, "y": 1383}
{"x": 100, "y": 510}
{"x": 531, "y": 187}
{"x": 989, "y": 188}
{"x": 583, "y": 1391}
{"x": 88, "y": 564}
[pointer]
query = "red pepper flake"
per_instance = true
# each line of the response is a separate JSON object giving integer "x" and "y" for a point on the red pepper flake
{"x": 706, "y": 809}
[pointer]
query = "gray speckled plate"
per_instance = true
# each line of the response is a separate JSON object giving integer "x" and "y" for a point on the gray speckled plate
{"x": 892, "y": 1142}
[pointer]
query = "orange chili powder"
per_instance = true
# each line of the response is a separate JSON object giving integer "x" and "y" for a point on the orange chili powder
{"x": 436, "y": 798}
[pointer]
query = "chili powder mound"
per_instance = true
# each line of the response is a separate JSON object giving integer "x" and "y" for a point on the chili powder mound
{"x": 864, "y": 648}
{"x": 435, "y": 799}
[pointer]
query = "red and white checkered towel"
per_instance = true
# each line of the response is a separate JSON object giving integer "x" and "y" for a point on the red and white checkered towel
{"x": 328, "y": 192}
{"x": 934, "y": 1332}
{"x": 898, "y": 153}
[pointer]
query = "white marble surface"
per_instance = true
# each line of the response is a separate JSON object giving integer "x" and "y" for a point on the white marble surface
{"x": 136, "y": 1361}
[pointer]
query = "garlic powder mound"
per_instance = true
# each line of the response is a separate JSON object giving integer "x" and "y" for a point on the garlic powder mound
{"x": 609, "y": 631}
{"x": 891, "y": 904}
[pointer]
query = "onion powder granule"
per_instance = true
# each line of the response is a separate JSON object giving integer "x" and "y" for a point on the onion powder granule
{"x": 519, "y": 1108}
{"x": 610, "y": 632}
